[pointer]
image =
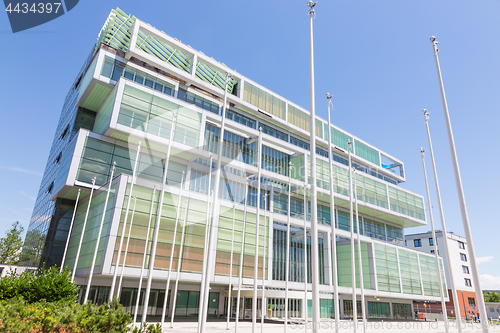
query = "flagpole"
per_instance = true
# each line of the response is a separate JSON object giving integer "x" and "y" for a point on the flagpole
{"x": 158, "y": 221}
{"x": 144, "y": 256}
{"x": 83, "y": 231}
{"x": 287, "y": 253}
{"x": 118, "y": 255}
{"x": 353, "y": 260}
{"x": 332, "y": 220}
{"x": 262, "y": 308}
{"x": 119, "y": 291}
{"x": 215, "y": 216}
{"x": 172, "y": 249}
{"x": 461, "y": 196}
{"x": 179, "y": 263}
{"x": 305, "y": 259}
{"x": 363, "y": 313}
{"x": 314, "y": 203}
{"x": 205, "y": 248}
{"x": 434, "y": 241}
{"x": 443, "y": 226}
{"x": 230, "y": 273}
{"x": 69, "y": 232}
{"x": 91, "y": 275}
{"x": 256, "y": 255}
{"x": 240, "y": 278}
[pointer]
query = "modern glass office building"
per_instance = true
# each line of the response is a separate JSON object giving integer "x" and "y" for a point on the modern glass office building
{"x": 134, "y": 81}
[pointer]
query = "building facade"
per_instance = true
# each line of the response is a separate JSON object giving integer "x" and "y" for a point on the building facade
{"x": 459, "y": 260}
{"x": 132, "y": 84}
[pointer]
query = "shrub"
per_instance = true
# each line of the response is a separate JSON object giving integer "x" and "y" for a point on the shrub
{"x": 48, "y": 284}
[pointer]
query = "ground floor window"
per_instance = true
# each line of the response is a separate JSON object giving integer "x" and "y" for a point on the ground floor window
{"x": 348, "y": 310}
{"x": 379, "y": 310}
{"x": 401, "y": 311}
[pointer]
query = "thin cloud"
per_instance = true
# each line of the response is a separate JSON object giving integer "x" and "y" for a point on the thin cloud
{"x": 489, "y": 282}
{"x": 28, "y": 196}
{"x": 16, "y": 169}
{"x": 482, "y": 260}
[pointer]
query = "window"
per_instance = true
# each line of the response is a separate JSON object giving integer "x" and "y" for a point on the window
{"x": 468, "y": 283}
{"x": 50, "y": 188}
{"x": 63, "y": 134}
{"x": 463, "y": 257}
{"x": 405, "y": 243}
{"x": 461, "y": 245}
{"x": 58, "y": 158}
{"x": 465, "y": 269}
{"x": 431, "y": 242}
{"x": 432, "y": 251}
{"x": 417, "y": 242}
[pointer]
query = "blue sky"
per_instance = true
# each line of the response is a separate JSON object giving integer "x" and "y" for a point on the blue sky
{"x": 375, "y": 57}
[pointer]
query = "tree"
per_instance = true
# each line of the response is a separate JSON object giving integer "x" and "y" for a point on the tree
{"x": 491, "y": 296}
{"x": 11, "y": 244}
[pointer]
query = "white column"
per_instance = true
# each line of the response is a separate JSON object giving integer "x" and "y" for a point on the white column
{"x": 305, "y": 257}
{"x": 332, "y": 218}
{"x": 287, "y": 255}
{"x": 158, "y": 221}
{"x": 172, "y": 249}
{"x": 118, "y": 255}
{"x": 83, "y": 231}
{"x": 91, "y": 274}
{"x": 230, "y": 273}
{"x": 215, "y": 218}
{"x": 179, "y": 263}
{"x": 144, "y": 256}
{"x": 461, "y": 197}
{"x": 241, "y": 260}
{"x": 256, "y": 258}
{"x": 443, "y": 227}
{"x": 263, "y": 307}
{"x": 434, "y": 241}
{"x": 119, "y": 291}
{"x": 69, "y": 232}
{"x": 353, "y": 260}
{"x": 363, "y": 310}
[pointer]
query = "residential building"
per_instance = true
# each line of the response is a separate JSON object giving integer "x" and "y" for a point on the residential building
{"x": 133, "y": 81}
{"x": 459, "y": 259}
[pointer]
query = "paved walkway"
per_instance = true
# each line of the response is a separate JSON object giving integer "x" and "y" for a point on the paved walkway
{"x": 346, "y": 326}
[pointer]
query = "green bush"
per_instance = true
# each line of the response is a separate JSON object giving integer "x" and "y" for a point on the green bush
{"x": 48, "y": 284}
{"x": 19, "y": 316}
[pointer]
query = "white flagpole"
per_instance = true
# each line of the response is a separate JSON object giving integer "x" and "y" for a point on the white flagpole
{"x": 230, "y": 274}
{"x": 287, "y": 255}
{"x": 305, "y": 258}
{"x": 434, "y": 240}
{"x": 157, "y": 224}
{"x": 241, "y": 259}
{"x": 118, "y": 255}
{"x": 256, "y": 255}
{"x": 119, "y": 291}
{"x": 443, "y": 226}
{"x": 332, "y": 222}
{"x": 205, "y": 248}
{"x": 83, "y": 231}
{"x": 215, "y": 216}
{"x": 262, "y": 308}
{"x": 69, "y": 232}
{"x": 144, "y": 256}
{"x": 461, "y": 197}
{"x": 359, "y": 254}
{"x": 91, "y": 274}
{"x": 179, "y": 263}
{"x": 314, "y": 202}
{"x": 172, "y": 249}
{"x": 353, "y": 260}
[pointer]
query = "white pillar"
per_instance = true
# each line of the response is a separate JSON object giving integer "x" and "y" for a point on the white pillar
{"x": 91, "y": 274}
{"x": 263, "y": 308}
{"x": 83, "y": 231}
{"x": 256, "y": 257}
{"x": 362, "y": 287}
{"x": 118, "y": 255}
{"x": 287, "y": 254}
{"x": 434, "y": 241}
{"x": 461, "y": 198}
{"x": 305, "y": 258}
{"x": 230, "y": 273}
{"x": 353, "y": 260}
{"x": 69, "y": 232}
{"x": 119, "y": 291}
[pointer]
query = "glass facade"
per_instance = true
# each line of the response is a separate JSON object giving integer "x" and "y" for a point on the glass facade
{"x": 264, "y": 101}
